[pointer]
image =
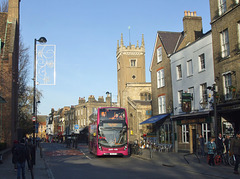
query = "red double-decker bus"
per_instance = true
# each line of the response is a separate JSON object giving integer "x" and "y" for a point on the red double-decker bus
{"x": 108, "y": 133}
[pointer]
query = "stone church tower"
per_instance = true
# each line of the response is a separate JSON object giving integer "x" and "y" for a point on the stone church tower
{"x": 130, "y": 66}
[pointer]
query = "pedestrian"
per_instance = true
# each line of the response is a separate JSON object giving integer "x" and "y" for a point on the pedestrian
{"x": 226, "y": 143}
{"x": 235, "y": 150}
{"x": 21, "y": 159}
{"x": 211, "y": 149}
{"x": 202, "y": 142}
{"x": 14, "y": 154}
{"x": 30, "y": 153}
{"x": 219, "y": 144}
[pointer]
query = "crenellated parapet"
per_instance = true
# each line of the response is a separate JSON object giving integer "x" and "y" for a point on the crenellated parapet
{"x": 121, "y": 48}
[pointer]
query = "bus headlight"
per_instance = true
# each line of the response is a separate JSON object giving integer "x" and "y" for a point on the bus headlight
{"x": 100, "y": 147}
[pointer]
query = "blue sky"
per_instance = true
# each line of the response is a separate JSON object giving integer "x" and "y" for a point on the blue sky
{"x": 85, "y": 34}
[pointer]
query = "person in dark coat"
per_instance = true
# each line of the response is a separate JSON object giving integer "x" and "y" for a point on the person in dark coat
{"x": 30, "y": 153}
{"x": 14, "y": 154}
{"x": 202, "y": 142}
{"x": 235, "y": 150}
{"x": 219, "y": 144}
{"x": 226, "y": 143}
{"x": 21, "y": 159}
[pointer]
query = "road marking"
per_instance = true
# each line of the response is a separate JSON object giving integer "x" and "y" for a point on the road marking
{"x": 85, "y": 155}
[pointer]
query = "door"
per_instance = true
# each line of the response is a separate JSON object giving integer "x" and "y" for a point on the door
{"x": 194, "y": 140}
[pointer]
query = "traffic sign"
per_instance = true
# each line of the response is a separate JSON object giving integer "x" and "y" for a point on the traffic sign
{"x": 34, "y": 118}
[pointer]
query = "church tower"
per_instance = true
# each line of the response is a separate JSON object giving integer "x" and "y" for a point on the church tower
{"x": 130, "y": 66}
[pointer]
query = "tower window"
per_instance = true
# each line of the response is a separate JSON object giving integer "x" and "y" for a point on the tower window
{"x": 133, "y": 63}
{"x": 133, "y": 77}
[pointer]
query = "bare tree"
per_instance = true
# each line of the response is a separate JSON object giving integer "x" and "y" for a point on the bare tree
{"x": 25, "y": 93}
{"x": 4, "y": 6}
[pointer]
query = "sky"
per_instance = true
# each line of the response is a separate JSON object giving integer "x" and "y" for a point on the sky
{"x": 85, "y": 34}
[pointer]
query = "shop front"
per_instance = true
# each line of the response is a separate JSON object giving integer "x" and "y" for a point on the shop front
{"x": 228, "y": 115}
{"x": 188, "y": 128}
{"x": 159, "y": 129}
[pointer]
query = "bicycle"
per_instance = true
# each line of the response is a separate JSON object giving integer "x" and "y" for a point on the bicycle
{"x": 232, "y": 160}
{"x": 217, "y": 159}
{"x": 136, "y": 149}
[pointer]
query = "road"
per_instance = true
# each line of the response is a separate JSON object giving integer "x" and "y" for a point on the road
{"x": 65, "y": 163}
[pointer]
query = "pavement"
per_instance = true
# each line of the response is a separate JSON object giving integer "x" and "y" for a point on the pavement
{"x": 40, "y": 169}
{"x": 176, "y": 161}
{"x": 188, "y": 162}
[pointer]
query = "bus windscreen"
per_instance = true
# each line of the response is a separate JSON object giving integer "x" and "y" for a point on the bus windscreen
{"x": 112, "y": 136}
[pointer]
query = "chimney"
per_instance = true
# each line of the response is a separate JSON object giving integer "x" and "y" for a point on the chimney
{"x": 81, "y": 100}
{"x": 100, "y": 99}
{"x": 91, "y": 98}
{"x": 13, "y": 10}
{"x": 192, "y": 26}
{"x": 108, "y": 100}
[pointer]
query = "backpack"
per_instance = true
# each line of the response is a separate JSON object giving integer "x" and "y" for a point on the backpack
{"x": 21, "y": 153}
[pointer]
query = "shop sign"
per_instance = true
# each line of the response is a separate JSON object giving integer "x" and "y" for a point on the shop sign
{"x": 186, "y": 102}
{"x": 194, "y": 121}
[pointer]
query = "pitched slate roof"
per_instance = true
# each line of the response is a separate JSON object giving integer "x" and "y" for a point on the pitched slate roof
{"x": 170, "y": 40}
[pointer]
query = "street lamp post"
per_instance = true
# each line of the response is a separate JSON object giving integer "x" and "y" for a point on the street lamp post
{"x": 40, "y": 40}
{"x": 213, "y": 88}
{"x": 110, "y": 97}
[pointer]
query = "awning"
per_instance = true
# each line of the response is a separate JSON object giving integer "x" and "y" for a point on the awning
{"x": 155, "y": 119}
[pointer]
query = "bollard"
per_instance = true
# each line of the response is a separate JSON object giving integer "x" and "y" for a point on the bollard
{"x": 150, "y": 148}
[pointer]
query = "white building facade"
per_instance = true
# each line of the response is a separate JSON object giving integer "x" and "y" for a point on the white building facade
{"x": 192, "y": 72}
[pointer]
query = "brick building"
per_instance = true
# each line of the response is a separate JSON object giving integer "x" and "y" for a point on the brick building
{"x": 225, "y": 23}
{"x": 9, "y": 37}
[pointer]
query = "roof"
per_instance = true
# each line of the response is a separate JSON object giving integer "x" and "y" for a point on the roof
{"x": 170, "y": 40}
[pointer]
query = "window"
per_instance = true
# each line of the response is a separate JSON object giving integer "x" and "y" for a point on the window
{"x": 203, "y": 92}
{"x": 165, "y": 136}
{"x": 237, "y": 1}
{"x": 222, "y": 6}
{"x": 201, "y": 62}
{"x": 191, "y": 90}
{"x": 179, "y": 72}
{"x": 206, "y": 132}
{"x": 185, "y": 133}
{"x": 180, "y": 97}
{"x": 145, "y": 96}
{"x": 159, "y": 54}
{"x": 225, "y": 43}
{"x": 161, "y": 104}
{"x": 133, "y": 63}
{"x": 189, "y": 68}
{"x": 160, "y": 78}
{"x": 227, "y": 80}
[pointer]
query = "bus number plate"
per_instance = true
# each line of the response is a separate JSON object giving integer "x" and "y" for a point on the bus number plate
{"x": 113, "y": 153}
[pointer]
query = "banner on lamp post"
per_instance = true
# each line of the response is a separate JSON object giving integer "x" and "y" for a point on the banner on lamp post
{"x": 45, "y": 64}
